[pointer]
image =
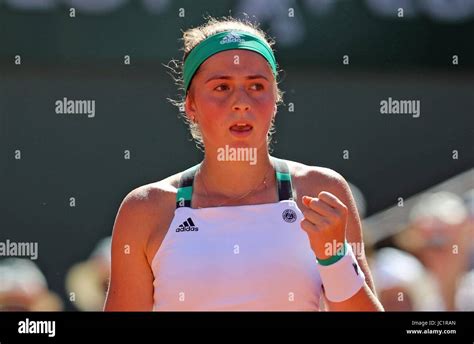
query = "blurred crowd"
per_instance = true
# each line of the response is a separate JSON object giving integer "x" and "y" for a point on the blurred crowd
{"x": 23, "y": 286}
{"x": 427, "y": 266}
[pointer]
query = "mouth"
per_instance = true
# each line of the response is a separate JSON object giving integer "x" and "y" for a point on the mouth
{"x": 241, "y": 129}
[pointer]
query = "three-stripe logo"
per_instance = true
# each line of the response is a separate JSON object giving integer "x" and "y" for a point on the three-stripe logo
{"x": 187, "y": 226}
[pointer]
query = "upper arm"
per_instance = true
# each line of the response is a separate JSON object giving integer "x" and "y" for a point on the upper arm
{"x": 131, "y": 279}
{"x": 334, "y": 183}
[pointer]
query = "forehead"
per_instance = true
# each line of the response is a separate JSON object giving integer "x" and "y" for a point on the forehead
{"x": 237, "y": 61}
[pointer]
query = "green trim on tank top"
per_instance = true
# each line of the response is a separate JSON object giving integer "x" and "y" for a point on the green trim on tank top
{"x": 283, "y": 176}
{"x": 184, "y": 193}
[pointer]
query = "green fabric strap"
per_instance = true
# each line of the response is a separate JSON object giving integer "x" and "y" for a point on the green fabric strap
{"x": 283, "y": 176}
{"x": 184, "y": 193}
{"x": 222, "y": 41}
{"x": 185, "y": 188}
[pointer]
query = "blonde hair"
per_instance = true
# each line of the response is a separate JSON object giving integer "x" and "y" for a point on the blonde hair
{"x": 191, "y": 38}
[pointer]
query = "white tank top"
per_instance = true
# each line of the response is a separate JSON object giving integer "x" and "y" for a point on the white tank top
{"x": 236, "y": 258}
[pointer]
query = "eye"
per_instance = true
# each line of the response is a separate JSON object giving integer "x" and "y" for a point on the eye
{"x": 221, "y": 87}
{"x": 257, "y": 87}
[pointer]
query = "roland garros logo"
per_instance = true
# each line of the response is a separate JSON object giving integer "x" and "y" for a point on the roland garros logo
{"x": 289, "y": 215}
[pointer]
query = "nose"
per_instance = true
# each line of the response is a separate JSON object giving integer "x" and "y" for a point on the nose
{"x": 241, "y": 107}
{"x": 241, "y": 102}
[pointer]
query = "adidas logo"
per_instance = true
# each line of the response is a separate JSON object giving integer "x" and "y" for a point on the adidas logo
{"x": 232, "y": 37}
{"x": 187, "y": 226}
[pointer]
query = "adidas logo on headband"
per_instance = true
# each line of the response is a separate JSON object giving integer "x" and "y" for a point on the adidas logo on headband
{"x": 232, "y": 37}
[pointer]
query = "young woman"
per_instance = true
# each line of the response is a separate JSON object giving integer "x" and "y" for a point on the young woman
{"x": 242, "y": 230}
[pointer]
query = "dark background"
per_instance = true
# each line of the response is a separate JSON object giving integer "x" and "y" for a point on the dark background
{"x": 337, "y": 106}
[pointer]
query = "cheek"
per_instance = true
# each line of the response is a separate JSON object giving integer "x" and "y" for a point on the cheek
{"x": 211, "y": 106}
{"x": 211, "y": 111}
{"x": 265, "y": 109}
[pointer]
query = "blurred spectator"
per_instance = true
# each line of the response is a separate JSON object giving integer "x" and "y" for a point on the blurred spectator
{"x": 468, "y": 198}
{"x": 23, "y": 287}
{"x": 87, "y": 281}
{"x": 402, "y": 282}
{"x": 465, "y": 294}
{"x": 440, "y": 236}
{"x": 469, "y": 201}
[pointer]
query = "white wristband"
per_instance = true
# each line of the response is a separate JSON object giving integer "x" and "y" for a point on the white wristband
{"x": 343, "y": 279}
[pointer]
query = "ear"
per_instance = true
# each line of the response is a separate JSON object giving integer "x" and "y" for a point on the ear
{"x": 190, "y": 107}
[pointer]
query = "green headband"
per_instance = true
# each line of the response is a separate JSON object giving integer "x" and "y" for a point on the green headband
{"x": 225, "y": 41}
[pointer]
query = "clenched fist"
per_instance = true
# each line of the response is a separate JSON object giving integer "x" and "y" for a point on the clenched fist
{"x": 325, "y": 220}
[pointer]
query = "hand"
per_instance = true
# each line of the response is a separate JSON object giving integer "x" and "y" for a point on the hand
{"x": 325, "y": 220}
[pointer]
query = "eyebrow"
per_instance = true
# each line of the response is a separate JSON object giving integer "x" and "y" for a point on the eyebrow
{"x": 227, "y": 77}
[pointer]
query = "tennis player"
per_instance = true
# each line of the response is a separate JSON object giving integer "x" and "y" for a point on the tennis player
{"x": 242, "y": 230}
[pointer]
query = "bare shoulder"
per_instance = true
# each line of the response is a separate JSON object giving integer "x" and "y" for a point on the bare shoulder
{"x": 150, "y": 195}
{"x": 317, "y": 178}
{"x": 311, "y": 180}
{"x": 144, "y": 209}
{"x": 149, "y": 198}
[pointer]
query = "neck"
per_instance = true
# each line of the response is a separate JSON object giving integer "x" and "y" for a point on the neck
{"x": 231, "y": 179}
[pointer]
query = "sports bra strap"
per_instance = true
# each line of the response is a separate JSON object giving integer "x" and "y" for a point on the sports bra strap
{"x": 283, "y": 178}
{"x": 185, "y": 188}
